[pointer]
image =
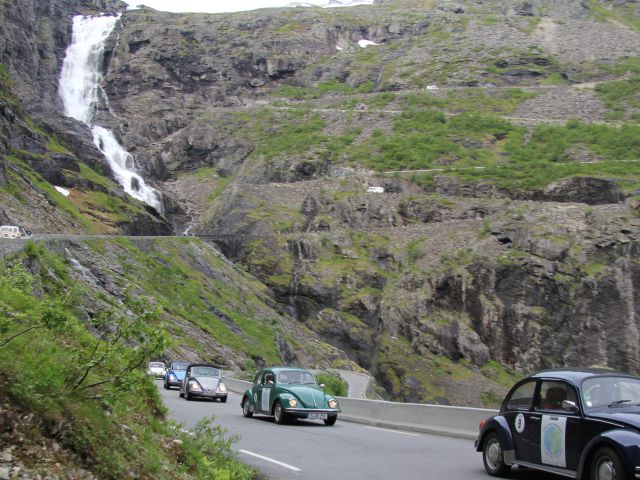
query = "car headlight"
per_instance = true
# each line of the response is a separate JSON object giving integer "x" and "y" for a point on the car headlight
{"x": 333, "y": 403}
{"x": 194, "y": 386}
{"x": 172, "y": 377}
{"x": 293, "y": 402}
{"x": 222, "y": 388}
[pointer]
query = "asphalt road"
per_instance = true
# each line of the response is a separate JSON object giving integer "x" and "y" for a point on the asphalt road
{"x": 358, "y": 383}
{"x": 346, "y": 451}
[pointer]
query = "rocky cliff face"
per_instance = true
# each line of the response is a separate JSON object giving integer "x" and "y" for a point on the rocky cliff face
{"x": 504, "y": 236}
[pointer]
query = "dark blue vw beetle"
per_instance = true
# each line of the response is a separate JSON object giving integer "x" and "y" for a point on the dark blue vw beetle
{"x": 581, "y": 424}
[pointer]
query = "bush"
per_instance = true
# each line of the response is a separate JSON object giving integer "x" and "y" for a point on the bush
{"x": 333, "y": 384}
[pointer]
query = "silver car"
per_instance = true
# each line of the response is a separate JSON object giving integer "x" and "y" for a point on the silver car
{"x": 203, "y": 381}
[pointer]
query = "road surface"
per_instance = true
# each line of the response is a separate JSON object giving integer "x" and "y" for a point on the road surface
{"x": 347, "y": 451}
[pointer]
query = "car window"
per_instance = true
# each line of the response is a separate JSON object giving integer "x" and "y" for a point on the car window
{"x": 179, "y": 366}
{"x": 553, "y": 393}
{"x": 205, "y": 372}
{"x": 296, "y": 376}
{"x": 522, "y": 397}
{"x": 610, "y": 392}
{"x": 156, "y": 365}
{"x": 268, "y": 377}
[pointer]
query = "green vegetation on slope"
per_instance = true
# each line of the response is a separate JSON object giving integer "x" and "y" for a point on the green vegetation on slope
{"x": 82, "y": 372}
{"x": 166, "y": 269}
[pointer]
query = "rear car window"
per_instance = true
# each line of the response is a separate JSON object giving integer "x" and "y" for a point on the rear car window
{"x": 522, "y": 397}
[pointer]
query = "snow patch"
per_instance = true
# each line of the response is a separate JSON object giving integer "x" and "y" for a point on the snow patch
{"x": 364, "y": 43}
{"x": 63, "y": 191}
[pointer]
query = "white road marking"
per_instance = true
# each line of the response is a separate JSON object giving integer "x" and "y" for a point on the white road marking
{"x": 395, "y": 431}
{"x": 282, "y": 464}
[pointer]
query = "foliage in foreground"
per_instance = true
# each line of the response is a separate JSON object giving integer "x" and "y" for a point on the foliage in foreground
{"x": 81, "y": 371}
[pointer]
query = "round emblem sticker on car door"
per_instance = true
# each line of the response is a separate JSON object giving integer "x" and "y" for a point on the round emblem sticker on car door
{"x": 519, "y": 423}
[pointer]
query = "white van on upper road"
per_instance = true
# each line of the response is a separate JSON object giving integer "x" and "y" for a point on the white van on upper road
{"x": 11, "y": 231}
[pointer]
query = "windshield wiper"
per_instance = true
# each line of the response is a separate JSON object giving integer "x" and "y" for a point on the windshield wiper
{"x": 619, "y": 402}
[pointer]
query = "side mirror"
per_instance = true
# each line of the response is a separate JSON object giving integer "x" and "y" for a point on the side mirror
{"x": 570, "y": 406}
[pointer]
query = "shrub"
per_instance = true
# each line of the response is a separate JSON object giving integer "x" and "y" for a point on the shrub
{"x": 333, "y": 384}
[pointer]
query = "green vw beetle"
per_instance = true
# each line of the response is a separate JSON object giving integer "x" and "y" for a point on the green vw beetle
{"x": 289, "y": 392}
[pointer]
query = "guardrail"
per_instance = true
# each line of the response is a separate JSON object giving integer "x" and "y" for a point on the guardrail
{"x": 461, "y": 422}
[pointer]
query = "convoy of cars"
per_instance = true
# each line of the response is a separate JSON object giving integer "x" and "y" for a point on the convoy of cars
{"x": 281, "y": 392}
{"x": 578, "y": 423}
{"x": 287, "y": 393}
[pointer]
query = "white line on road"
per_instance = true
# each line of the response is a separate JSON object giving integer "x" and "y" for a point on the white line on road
{"x": 395, "y": 431}
{"x": 282, "y": 464}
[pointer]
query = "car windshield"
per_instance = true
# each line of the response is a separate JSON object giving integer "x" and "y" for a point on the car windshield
{"x": 205, "y": 372}
{"x": 296, "y": 376}
{"x": 156, "y": 365}
{"x": 5, "y": 229}
{"x": 179, "y": 366}
{"x": 610, "y": 392}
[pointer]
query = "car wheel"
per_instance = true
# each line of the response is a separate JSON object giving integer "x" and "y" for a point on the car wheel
{"x": 246, "y": 408}
{"x": 278, "y": 414}
{"x": 187, "y": 396}
{"x": 493, "y": 456}
{"x": 606, "y": 465}
{"x": 166, "y": 386}
{"x": 223, "y": 399}
{"x": 331, "y": 420}
{"x": 180, "y": 394}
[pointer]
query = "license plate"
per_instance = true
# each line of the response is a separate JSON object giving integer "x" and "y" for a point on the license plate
{"x": 317, "y": 416}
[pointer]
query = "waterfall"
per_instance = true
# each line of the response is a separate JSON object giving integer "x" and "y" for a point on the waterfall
{"x": 80, "y": 89}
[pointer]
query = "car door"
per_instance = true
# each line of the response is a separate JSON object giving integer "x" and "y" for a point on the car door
{"x": 263, "y": 391}
{"x": 518, "y": 411}
{"x": 556, "y": 432}
{"x": 185, "y": 381}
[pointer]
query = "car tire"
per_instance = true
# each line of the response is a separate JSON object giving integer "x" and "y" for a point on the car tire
{"x": 246, "y": 408}
{"x": 606, "y": 464}
{"x": 187, "y": 396}
{"x": 493, "y": 455}
{"x": 279, "y": 416}
{"x": 223, "y": 399}
{"x": 166, "y": 386}
{"x": 331, "y": 420}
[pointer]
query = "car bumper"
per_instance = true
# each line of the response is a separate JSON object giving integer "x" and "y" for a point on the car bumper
{"x": 174, "y": 384}
{"x": 211, "y": 395}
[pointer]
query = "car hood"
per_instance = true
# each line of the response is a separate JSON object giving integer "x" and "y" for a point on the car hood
{"x": 627, "y": 415}
{"x": 179, "y": 374}
{"x": 208, "y": 383}
{"x": 311, "y": 397}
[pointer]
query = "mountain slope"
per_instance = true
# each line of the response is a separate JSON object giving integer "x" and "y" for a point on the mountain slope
{"x": 503, "y": 137}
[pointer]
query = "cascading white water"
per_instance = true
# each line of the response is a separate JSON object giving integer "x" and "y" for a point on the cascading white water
{"x": 79, "y": 89}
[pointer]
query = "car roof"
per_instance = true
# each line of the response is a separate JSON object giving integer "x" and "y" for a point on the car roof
{"x": 577, "y": 375}
{"x": 280, "y": 368}
{"x": 203, "y": 365}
